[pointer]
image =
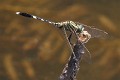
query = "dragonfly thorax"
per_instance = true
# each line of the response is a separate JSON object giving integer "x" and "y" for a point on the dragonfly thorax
{"x": 70, "y": 26}
{"x": 78, "y": 27}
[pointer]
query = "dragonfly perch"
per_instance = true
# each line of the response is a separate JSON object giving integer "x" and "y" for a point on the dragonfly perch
{"x": 72, "y": 67}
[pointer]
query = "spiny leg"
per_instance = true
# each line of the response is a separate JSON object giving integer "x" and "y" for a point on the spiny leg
{"x": 74, "y": 31}
{"x": 69, "y": 38}
{"x": 68, "y": 41}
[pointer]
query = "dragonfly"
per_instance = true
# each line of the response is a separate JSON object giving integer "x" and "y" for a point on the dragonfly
{"x": 76, "y": 28}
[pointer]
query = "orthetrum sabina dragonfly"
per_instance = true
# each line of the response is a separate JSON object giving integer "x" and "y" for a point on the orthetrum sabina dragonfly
{"x": 75, "y": 28}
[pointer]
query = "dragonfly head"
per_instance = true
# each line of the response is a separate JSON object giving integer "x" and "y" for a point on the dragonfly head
{"x": 80, "y": 29}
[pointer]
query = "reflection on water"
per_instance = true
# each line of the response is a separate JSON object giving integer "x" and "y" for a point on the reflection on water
{"x": 34, "y": 50}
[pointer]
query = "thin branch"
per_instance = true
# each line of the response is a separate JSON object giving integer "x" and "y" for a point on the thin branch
{"x": 72, "y": 67}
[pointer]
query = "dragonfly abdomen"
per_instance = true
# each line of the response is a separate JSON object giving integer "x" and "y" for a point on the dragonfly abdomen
{"x": 35, "y": 17}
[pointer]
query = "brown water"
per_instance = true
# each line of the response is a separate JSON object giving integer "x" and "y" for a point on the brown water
{"x": 34, "y": 50}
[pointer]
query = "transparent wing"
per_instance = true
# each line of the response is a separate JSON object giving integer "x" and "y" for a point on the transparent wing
{"x": 95, "y": 32}
{"x": 87, "y": 55}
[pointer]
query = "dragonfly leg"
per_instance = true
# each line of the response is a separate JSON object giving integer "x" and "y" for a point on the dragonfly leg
{"x": 74, "y": 31}
{"x": 68, "y": 40}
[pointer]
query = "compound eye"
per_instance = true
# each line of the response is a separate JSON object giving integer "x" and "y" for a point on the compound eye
{"x": 78, "y": 30}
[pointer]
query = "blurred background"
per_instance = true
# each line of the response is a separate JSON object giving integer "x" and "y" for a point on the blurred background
{"x": 34, "y": 50}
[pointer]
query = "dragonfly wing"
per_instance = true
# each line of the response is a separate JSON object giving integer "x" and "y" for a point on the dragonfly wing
{"x": 87, "y": 55}
{"x": 95, "y": 32}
